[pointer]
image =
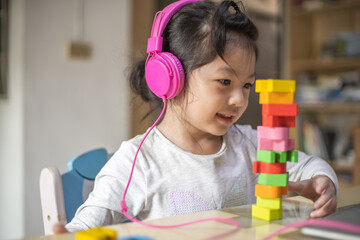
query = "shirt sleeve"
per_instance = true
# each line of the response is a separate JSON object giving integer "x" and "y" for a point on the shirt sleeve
{"x": 103, "y": 206}
{"x": 310, "y": 166}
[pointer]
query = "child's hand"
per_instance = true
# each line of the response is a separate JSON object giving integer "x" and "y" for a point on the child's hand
{"x": 319, "y": 189}
{"x": 59, "y": 228}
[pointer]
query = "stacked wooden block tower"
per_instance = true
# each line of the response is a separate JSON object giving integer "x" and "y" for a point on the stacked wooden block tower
{"x": 275, "y": 147}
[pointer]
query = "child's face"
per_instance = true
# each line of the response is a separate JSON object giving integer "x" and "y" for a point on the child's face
{"x": 218, "y": 92}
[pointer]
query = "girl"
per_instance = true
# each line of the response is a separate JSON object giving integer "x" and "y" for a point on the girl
{"x": 197, "y": 158}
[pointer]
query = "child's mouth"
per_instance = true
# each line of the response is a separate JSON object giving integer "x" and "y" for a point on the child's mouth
{"x": 225, "y": 118}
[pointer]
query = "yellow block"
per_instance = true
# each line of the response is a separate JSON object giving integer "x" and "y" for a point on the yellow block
{"x": 276, "y": 98}
{"x": 99, "y": 233}
{"x": 274, "y": 203}
{"x": 272, "y": 85}
{"x": 266, "y": 214}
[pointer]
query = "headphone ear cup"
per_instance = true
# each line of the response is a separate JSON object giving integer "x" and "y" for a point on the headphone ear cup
{"x": 164, "y": 75}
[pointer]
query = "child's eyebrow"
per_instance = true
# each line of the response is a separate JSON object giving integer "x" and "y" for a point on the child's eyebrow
{"x": 227, "y": 68}
{"x": 252, "y": 75}
{"x": 232, "y": 71}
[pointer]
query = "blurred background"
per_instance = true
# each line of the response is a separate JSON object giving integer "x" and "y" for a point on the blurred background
{"x": 64, "y": 90}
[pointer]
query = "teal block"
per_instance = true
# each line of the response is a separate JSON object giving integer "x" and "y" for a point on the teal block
{"x": 280, "y": 180}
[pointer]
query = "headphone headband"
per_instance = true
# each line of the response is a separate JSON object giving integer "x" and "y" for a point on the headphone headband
{"x": 164, "y": 73}
{"x": 161, "y": 20}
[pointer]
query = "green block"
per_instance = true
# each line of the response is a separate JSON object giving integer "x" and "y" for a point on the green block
{"x": 293, "y": 156}
{"x": 280, "y": 180}
{"x": 281, "y": 157}
{"x": 266, "y": 156}
{"x": 277, "y": 156}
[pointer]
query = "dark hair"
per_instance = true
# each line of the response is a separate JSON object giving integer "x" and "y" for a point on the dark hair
{"x": 196, "y": 34}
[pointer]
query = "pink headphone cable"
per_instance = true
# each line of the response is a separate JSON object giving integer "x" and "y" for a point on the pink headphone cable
{"x": 123, "y": 204}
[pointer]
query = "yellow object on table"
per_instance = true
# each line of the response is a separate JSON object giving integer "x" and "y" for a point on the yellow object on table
{"x": 100, "y": 233}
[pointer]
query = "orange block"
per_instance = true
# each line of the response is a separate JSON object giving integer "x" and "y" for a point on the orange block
{"x": 267, "y": 191}
{"x": 276, "y": 97}
{"x": 286, "y": 110}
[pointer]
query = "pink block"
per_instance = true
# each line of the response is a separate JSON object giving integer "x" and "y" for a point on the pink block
{"x": 276, "y": 145}
{"x": 274, "y": 133}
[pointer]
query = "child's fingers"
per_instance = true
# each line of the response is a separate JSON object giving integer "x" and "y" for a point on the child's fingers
{"x": 297, "y": 187}
{"x": 59, "y": 228}
{"x": 325, "y": 196}
{"x": 321, "y": 183}
{"x": 323, "y": 199}
{"x": 304, "y": 188}
{"x": 326, "y": 209}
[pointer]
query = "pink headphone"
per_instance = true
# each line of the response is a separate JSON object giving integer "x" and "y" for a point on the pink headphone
{"x": 163, "y": 71}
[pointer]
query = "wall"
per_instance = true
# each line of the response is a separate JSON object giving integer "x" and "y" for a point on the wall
{"x": 12, "y": 132}
{"x": 143, "y": 12}
{"x": 60, "y": 107}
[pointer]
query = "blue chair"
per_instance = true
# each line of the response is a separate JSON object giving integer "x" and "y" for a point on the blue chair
{"x": 61, "y": 195}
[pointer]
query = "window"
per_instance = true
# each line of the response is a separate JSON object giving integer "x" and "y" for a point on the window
{"x": 3, "y": 47}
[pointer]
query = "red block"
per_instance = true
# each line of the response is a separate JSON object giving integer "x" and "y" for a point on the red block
{"x": 277, "y": 121}
{"x": 280, "y": 109}
{"x": 270, "y": 168}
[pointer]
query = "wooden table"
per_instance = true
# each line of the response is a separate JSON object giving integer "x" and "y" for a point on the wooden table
{"x": 294, "y": 209}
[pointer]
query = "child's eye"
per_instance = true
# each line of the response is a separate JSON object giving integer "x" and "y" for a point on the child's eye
{"x": 224, "y": 82}
{"x": 248, "y": 85}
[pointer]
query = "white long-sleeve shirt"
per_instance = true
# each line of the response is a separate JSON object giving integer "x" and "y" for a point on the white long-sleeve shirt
{"x": 169, "y": 181}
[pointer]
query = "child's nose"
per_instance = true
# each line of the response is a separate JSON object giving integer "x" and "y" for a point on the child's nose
{"x": 237, "y": 98}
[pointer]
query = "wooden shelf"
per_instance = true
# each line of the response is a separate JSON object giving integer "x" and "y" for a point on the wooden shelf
{"x": 335, "y": 6}
{"x": 307, "y": 32}
{"x": 341, "y": 168}
{"x": 333, "y": 64}
{"x": 330, "y": 107}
